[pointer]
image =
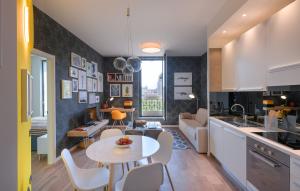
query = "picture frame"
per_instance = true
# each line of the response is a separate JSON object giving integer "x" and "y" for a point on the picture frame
{"x": 83, "y": 63}
{"x": 183, "y": 79}
{"x": 97, "y": 99}
{"x": 94, "y": 70}
{"x": 100, "y": 82}
{"x": 127, "y": 90}
{"x": 74, "y": 85}
{"x": 89, "y": 84}
{"x": 182, "y": 93}
{"x": 73, "y": 72}
{"x": 81, "y": 80}
{"x": 95, "y": 86}
{"x": 92, "y": 98}
{"x": 89, "y": 69}
{"x": 66, "y": 89}
{"x": 82, "y": 97}
{"x": 115, "y": 90}
{"x": 75, "y": 60}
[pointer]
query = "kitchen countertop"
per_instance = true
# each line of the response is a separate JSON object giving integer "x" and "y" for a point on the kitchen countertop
{"x": 248, "y": 132}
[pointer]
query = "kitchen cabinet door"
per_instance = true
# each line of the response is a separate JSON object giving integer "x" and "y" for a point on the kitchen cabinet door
{"x": 216, "y": 140}
{"x": 234, "y": 158}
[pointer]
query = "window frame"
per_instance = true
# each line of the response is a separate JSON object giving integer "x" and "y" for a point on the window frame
{"x": 163, "y": 116}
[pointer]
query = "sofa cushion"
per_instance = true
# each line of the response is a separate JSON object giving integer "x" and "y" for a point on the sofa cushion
{"x": 191, "y": 123}
{"x": 201, "y": 116}
{"x": 186, "y": 115}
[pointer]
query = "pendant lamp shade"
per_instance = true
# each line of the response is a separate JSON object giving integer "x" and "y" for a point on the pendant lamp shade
{"x": 128, "y": 69}
{"x": 135, "y": 63}
{"x": 119, "y": 63}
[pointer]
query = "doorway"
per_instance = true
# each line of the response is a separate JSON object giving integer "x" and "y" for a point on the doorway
{"x": 43, "y": 128}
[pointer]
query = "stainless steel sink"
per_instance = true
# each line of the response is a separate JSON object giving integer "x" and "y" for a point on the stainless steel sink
{"x": 239, "y": 122}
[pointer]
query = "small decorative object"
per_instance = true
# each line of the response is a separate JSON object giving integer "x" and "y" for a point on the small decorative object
{"x": 128, "y": 104}
{"x": 128, "y": 70}
{"x": 74, "y": 85}
{"x": 182, "y": 93}
{"x": 135, "y": 63}
{"x": 119, "y": 63}
{"x": 100, "y": 82}
{"x": 97, "y": 99}
{"x": 66, "y": 89}
{"x": 89, "y": 84}
{"x": 89, "y": 69}
{"x": 94, "y": 69}
{"x": 83, "y": 63}
{"x": 75, "y": 60}
{"x": 115, "y": 90}
{"x": 73, "y": 72}
{"x": 82, "y": 80}
{"x": 92, "y": 98}
{"x": 82, "y": 96}
{"x": 183, "y": 79}
{"x": 127, "y": 90}
{"x": 95, "y": 87}
{"x": 123, "y": 142}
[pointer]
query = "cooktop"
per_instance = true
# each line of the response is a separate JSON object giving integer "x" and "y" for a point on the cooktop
{"x": 291, "y": 140}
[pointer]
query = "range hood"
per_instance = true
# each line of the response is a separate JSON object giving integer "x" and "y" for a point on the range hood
{"x": 289, "y": 88}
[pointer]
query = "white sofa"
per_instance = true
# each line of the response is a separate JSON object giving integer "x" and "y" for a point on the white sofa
{"x": 194, "y": 127}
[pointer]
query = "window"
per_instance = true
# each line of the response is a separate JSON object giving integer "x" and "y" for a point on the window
{"x": 152, "y": 88}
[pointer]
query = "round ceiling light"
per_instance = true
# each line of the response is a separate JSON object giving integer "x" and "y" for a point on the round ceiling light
{"x": 150, "y": 47}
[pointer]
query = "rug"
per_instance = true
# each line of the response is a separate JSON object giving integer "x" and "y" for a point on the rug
{"x": 180, "y": 142}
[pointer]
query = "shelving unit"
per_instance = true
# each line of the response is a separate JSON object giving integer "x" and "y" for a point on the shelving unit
{"x": 119, "y": 78}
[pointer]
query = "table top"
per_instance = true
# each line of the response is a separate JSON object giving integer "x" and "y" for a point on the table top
{"x": 106, "y": 151}
{"x": 118, "y": 108}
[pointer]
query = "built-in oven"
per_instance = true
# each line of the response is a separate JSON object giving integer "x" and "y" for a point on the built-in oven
{"x": 268, "y": 169}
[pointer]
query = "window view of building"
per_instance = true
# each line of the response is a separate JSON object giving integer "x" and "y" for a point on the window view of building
{"x": 152, "y": 85}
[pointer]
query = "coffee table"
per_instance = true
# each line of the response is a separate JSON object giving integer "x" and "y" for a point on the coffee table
{"x": 151, "y": 129}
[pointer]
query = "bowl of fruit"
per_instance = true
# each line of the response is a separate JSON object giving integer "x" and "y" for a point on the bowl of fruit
{"x": 123, "y": 142}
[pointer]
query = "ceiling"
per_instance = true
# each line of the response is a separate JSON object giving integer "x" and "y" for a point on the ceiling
{"x": 179, "y": 25}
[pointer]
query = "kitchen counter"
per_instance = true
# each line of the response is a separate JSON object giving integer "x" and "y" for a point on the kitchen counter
{"x": 247, "y": 131}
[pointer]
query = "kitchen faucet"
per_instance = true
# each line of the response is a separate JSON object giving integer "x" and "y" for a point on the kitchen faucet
{"x": 233, "y": 108}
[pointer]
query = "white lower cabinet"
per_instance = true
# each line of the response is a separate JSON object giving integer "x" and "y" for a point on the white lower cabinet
{"x": 234, "y": 158}
{"x": 229, "y": 147}
{"x": 294, "y": 175}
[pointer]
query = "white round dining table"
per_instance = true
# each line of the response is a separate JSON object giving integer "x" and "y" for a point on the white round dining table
{"x": 106, "y": 151}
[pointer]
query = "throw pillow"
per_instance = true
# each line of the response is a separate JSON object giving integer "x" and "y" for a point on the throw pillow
{"x": 186, "y": 116}
{"x": 201, "y": 116}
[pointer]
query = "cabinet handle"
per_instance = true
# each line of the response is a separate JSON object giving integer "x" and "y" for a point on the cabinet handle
{"x": 234, "y": 133}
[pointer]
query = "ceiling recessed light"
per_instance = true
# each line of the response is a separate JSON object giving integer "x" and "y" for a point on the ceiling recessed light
{"x": 224, "y": 31}
{"x": 150, "y": 47}
{"x": 244, "y": 15}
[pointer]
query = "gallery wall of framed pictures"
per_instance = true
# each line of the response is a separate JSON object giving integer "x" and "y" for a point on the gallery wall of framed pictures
{"x": 85, "y": 80}
{"x": 183, "y": 82}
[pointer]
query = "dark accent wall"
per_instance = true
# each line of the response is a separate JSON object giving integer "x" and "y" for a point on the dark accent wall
{"x": 196, "y": 65}
{"x": 52, "y": 38}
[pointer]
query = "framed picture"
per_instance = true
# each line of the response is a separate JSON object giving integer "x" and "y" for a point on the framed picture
{"x": 94, "y": 69}
{"x": 81, "y": 80}
{"x": 89, "y": 84}
{"x": 97, "y": 99}
{"x": 73, "y": 72}
{"x": 95, "y": 86}
{"x": 75, "y": 60}
{"x": 74, "y": 85}
{"x": 115, "y": 90}
{"x": 66, "y": 89}
{"x": 83, "y": 63}
{"x": 182, "y": 93}
{"x": 82, "y": 96}
{"x": 100, "y": 82}
{"x": 183, "y": 79}
{"x": 127, "y": 90}
{"x": 92, "y": 98}
{"x": 89, "y": 69}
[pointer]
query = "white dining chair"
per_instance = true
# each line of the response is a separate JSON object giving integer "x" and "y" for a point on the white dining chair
{"x": 110, "y": 133}
{"x": 145, "y": 178}
{"x": 84, "y": 179}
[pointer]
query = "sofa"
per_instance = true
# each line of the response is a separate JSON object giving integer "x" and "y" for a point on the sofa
{"x": 194, "y": 127}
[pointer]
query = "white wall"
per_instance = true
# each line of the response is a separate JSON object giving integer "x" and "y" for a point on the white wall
{"x": 37, "y": 92}
{"x": 274, "y": 43}
{"x": 8, "y": 95}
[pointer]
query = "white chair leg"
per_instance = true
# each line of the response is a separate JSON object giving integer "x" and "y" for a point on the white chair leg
{"x": 127, "y": 164}
{"x": 169, "y": 177}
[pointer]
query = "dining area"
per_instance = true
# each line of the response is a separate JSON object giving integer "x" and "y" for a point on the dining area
{"x": 124, "y": 161}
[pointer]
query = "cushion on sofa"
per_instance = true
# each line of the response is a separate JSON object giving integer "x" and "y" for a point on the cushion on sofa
{"x": 186, "y": 115}
{"x": 190, "y": 123}
{"x": 201, "y": 116}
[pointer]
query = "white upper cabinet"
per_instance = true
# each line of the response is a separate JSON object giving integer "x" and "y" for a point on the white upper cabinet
{"x": 229, "y": 80}
{"x": 284, "y": 46}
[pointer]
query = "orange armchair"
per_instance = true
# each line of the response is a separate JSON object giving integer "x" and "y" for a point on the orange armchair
{"x": 118, "y": 116}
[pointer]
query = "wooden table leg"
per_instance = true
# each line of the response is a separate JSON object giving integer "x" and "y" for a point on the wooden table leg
{"x": 111, "y": 177}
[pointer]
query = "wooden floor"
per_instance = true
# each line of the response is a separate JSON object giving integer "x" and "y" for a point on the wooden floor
{"x": 189, "y": 171}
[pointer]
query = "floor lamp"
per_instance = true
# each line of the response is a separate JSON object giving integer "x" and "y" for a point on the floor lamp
{"x": 193, "y": 96}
